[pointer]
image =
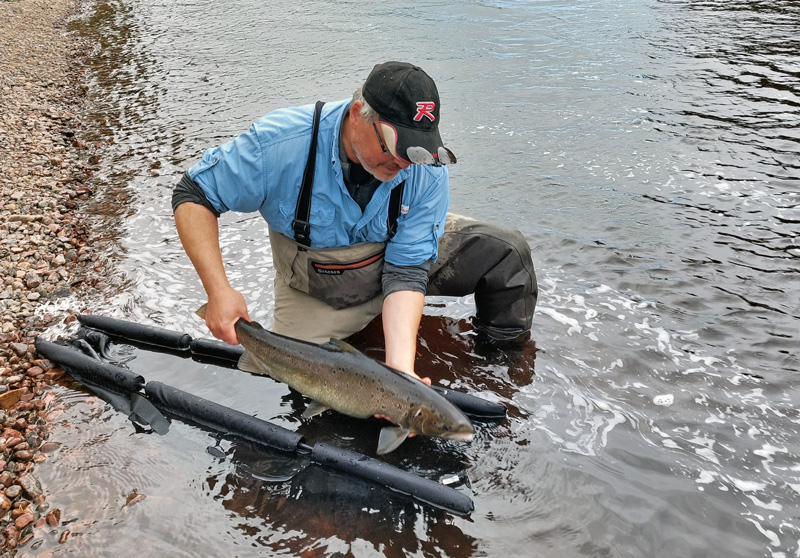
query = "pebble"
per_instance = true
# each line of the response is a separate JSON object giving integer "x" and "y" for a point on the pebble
{"x": 30, "y": 485}
{"x": 54, "y": 517}
{"x": 24, "y": 520}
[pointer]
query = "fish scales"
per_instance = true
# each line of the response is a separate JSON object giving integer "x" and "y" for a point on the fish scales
{"x": 332, "y": 379}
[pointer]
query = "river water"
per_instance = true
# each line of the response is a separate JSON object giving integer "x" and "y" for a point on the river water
{"x": 650, "y": 153}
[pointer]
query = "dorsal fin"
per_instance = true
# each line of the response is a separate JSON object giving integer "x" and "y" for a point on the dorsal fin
{"x": 338, "y": 346}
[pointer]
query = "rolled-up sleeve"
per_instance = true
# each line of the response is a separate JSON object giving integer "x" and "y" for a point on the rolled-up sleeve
{"x": 187, "y": 190}
{"x": 411, "y": 278}
{"x": 232, "y": 174}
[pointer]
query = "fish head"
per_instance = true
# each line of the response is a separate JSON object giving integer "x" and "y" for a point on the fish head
{"x": 440, "y": 421}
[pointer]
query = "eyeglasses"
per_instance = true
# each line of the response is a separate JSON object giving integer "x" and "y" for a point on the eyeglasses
{"x": 380, "y": 139}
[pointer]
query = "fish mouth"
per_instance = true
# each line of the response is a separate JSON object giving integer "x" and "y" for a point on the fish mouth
{"x": 461, "y": 436}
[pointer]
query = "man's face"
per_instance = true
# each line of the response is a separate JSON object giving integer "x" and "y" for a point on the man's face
{"x": 370, "y": 148}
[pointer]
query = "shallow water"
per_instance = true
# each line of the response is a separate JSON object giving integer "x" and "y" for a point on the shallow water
{"x": 649, "y": 153}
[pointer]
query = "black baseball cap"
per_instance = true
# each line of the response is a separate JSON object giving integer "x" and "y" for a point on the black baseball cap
{"x": 407, "y": 102}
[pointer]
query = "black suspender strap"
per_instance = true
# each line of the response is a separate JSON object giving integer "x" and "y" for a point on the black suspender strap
{"x": 394, "y": 208}
{"x": 301, "y": 224}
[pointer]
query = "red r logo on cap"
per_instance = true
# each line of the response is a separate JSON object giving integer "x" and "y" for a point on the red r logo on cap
{"x": 425, "y": 108}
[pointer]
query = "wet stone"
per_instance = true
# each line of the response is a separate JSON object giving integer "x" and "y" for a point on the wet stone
{"x": 24, "y": 520}
{"x": 14, "y": 441}
{"x": 30, "y": 484}
{"x": 54, "y": 517}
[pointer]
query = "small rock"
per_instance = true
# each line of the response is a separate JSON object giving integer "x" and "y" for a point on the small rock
{"x": 54, "y": 517}
{"x": 24, "y": 520}
{"x": 20, "y": 348}
{"x": 14, "y": 440}
{"x": 13, "y": 491}
{"x": 44, "y": 364}
{"x": 23, "y": 455}
{"x": 53, "y": 375}
{"x": 30, "y": 485}
{"x": 48, "y": 447}
{"x": 6, "y": 479}
{"x": 133, "y": 498}
{"x": 10, "y": 398}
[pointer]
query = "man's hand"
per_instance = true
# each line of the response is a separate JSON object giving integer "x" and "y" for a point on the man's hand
{"x": 426, "y": 381}
{"x": 224, "y": 308}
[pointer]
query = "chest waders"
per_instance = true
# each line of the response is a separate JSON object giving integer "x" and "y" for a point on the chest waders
{"x": 309, "y": 282}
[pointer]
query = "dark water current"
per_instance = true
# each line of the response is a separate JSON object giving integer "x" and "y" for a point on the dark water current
{"x": 650, "y": 153}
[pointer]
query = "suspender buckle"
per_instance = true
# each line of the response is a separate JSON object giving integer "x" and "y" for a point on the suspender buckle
{"x": 302, "y": 232}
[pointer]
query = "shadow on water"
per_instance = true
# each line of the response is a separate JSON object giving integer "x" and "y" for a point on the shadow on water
{"x": 317, "y": 505}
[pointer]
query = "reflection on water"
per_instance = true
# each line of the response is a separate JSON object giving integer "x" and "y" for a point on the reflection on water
{"x": 321, "y": 512}
{"x": 648, "y": 150}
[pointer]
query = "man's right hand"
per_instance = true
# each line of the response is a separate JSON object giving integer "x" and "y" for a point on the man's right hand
{"x": 224, "y": 309}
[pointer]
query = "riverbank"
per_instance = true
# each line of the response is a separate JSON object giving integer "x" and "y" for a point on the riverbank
{"x": 45, "y": 249}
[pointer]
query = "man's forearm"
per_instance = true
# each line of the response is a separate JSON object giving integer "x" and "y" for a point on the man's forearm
{"x": 402, "y": 311}
{"x": 199, "y": 234}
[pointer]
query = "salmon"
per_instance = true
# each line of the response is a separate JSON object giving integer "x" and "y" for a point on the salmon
{"x": 335, "y": 375}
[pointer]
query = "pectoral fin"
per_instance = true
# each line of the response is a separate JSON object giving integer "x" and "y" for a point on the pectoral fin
{"x": 314, "y": 409}
{"x": 391, "y": 437}
{"x": 249, "y": 363}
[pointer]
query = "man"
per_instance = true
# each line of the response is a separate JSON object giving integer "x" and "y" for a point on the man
{"x": 355, "y": 194}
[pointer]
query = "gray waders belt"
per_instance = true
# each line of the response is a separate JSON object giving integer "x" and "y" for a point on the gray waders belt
{"x": 343, "y": 276}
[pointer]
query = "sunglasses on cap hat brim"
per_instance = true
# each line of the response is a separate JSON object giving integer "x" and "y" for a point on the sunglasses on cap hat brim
{"x": 416, "y": 155}
{"x": 421, "y": 156}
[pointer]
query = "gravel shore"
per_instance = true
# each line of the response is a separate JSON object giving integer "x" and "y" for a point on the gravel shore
{"x": 45, "y": 250}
